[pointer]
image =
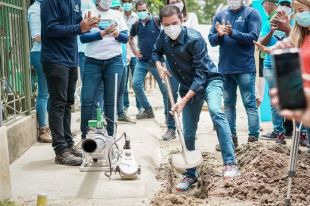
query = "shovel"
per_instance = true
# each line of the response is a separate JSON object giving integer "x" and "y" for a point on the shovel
{"x": 186, "y": 159}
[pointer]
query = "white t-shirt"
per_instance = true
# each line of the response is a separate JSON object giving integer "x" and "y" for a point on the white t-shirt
{"x": 131, "y": 20}
{"x": 85, "y": 5}
{"x": 108, "y": 47}
{"x": 192, "y": 21}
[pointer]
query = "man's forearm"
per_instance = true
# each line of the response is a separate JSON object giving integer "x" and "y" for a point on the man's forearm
{"x": 189, "y": 95}
{"x": 132, "y": 44}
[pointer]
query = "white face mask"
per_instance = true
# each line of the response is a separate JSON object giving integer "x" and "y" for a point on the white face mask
{"x": 180, "y": 5}
{"x": 286, "y": 9}
{"x": 234, "y": 4}
{"x": 105, "y": 4}
{"x": 173, "y": 31}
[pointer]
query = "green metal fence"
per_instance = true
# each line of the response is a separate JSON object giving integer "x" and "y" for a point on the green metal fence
{"x": 15, "y": 69}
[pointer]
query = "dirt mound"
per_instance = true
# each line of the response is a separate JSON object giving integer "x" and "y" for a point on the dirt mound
{"x": 263, "y": 179}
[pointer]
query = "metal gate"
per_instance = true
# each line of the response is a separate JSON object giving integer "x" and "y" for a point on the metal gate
{"x": 15, "y": 86}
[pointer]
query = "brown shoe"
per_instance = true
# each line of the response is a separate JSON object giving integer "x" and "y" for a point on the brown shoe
{"x": 76, "y": 151}
{"x": 66, "y": 158}
{"x": 146, "y": 114}
{"x": 45, "y": 135}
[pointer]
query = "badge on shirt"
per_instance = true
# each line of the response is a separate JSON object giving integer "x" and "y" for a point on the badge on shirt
{"x": 240, "y": 19}
{"x": 77, "y": 8}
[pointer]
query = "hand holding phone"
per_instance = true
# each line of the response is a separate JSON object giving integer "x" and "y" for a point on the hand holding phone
{"x": 106, "y": 23}
{"x": 287, "y": 70}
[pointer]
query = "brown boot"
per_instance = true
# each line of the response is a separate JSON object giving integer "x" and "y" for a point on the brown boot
{"x": 45, "y": 135}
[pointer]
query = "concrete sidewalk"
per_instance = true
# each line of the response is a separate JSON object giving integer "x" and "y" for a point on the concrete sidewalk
{"x": 35, "y": 172}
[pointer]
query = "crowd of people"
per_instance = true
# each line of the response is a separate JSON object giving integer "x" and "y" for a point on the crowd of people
{"x": 108, "y": 38}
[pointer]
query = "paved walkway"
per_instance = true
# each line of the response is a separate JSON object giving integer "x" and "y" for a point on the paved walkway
{"x": 35, "y": 172}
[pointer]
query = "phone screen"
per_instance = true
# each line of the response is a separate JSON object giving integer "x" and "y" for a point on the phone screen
{"x": 287, "y": 70}
{"x": 105, "y": 23}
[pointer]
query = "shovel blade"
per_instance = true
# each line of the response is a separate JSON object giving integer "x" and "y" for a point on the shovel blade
{"x": 194, "y": 158}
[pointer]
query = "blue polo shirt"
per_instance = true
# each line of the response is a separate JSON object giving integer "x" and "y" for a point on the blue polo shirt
{"x": 147, "y": 36}
{"x": 188, "y": 60}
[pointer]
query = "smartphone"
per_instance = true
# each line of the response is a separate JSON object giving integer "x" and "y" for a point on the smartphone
{"x": 287, "y": 71}
{"x": 105, "y": 23}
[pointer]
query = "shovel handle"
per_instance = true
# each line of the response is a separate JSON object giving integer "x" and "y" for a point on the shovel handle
{"x": 172, "y": 103}
{"x": 176, "y": 117}
{"x": 171, "y": 99}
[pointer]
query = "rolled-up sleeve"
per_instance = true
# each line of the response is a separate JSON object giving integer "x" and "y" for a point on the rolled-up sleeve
{"x": 200, "y": 65}
{"x": 123, "y": 37}
{"x": 90, "y": 37}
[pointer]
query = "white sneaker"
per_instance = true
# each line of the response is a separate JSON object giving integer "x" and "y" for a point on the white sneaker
{"x": 231, "y": 171}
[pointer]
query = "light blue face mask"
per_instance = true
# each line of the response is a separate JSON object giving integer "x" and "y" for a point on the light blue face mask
{"x": 127, "y": 6}
{"x": 143, "y": 15}
{"x": 303, "y": 18}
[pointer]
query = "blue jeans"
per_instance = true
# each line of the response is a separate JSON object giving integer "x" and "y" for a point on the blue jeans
{"x": 42, "y": 98}
{"x": 131, "y": 68}
{"x": 81, "y": 64}
{"x": 214, "y": 96}
{"x": 246, "y": 83}
{"x": 99, "y": 100}
{"x": 121, "y": 93}
{"x": 190, "y": 117}
{"x": 96, "y": 72}
{"x": 191, "y": 112}
{"x": 277, "y": 120}
{"x": 141, "y": 70}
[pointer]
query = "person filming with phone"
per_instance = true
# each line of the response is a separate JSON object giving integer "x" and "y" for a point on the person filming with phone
{"x": 298, "y": 38}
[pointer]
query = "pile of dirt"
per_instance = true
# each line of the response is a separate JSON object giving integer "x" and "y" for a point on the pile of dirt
{"x": 263, "y": 179}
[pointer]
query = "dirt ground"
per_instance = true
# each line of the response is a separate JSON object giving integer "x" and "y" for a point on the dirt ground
{"x": 263, "y": 180}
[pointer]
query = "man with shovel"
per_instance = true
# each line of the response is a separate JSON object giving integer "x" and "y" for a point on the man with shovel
{"x": 187, "y": 56}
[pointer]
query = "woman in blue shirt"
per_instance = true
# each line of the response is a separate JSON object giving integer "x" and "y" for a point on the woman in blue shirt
{"x": 42, "y": 97}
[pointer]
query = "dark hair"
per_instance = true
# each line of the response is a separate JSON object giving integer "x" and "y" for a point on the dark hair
{"x": 184, "y": 12}
{"x": 139, "y": 3}
{"x": 169, "y": 10}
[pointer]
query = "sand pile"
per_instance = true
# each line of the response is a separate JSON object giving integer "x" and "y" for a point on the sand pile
{"x": 263, "y": 179}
